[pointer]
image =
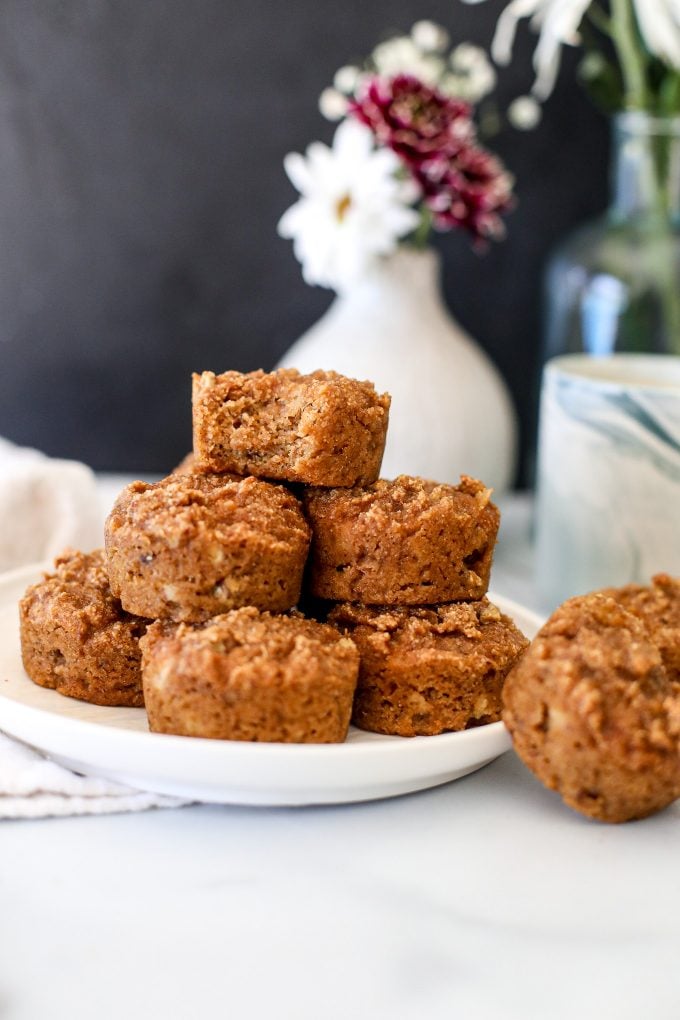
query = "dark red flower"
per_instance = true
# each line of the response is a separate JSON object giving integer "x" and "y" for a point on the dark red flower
{"x": 462, "y": 184}
{"x": 472, "y": 191}
{"x": 414, "y": 120}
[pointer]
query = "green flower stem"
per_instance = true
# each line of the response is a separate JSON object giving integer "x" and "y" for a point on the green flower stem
{"x": 662, "y": 227}
{"x": 599, "y": 19}
{"x": 660, "y": 147}
{"x": 421, "y": 234}
{"x": 624, "y": 36}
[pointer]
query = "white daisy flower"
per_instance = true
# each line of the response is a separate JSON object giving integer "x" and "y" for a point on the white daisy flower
{"x": 352, "y": 210}
{"x": 557, "y": 22}
{"x": 401, "y": 56}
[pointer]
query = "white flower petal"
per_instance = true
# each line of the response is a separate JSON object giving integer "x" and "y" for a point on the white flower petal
{"x": 659, "y": 22}
{"x": 353, "y": 206}
{"x": 353, "y": 141}
{"x": 559, "y": 21}
{"x": 298, "y": 174}
{"x": 556, "y": 21}
{"x": 506, "y": 27}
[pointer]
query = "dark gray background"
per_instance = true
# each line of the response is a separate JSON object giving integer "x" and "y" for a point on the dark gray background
{"x": 141, "y": 147}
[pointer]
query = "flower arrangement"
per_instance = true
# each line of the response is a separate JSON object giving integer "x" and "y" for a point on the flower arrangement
{"x": 630, "y": 65}
{"x": 405, "y": 159}
{"x": 631, "y": 49}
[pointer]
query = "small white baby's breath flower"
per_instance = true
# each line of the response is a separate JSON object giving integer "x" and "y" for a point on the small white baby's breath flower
{"x": 473, "y": 77}
{"x": 524, "y": 113}
{"x": 401, "y": 56}
{"x": 333, "y": 104}
{"x": 430, "y": 36}
{"x": 346, "y": 79}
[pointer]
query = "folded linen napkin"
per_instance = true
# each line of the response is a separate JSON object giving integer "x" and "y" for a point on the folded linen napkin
{"x": 45, "y": 505}
{"x": 33, "y": 787}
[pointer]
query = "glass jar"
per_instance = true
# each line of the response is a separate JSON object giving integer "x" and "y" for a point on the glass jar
{"x": 614, "y": 284}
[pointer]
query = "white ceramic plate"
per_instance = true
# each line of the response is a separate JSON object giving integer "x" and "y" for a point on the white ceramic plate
{"x": 116, "y": 743}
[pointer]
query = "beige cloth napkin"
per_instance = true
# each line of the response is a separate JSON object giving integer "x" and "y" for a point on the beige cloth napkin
{"x": 45, "y": 506}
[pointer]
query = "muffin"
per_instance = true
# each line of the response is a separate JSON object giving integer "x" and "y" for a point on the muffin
{"x": 427, "y": 671}
{"x": 75, "y": 636}
{"x": 658, "y": 607}
{"x": 247, "y": 675}
{"x": 406, "y": 542}
{"x": 320, "y": 429}
{"x": 593, "y": 713}
{"x": 192, "y": 546}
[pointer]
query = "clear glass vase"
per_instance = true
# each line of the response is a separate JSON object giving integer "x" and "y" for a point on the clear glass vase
{"x": 614, "y": 284}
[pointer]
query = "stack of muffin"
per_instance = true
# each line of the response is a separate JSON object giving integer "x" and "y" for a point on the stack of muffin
{"x": 278, "y": 506}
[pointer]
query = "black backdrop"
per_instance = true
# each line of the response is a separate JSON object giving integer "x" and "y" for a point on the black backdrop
{"x": 141, "y": 147}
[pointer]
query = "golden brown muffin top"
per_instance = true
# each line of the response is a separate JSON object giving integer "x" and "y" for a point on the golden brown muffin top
{"x": 79, "y": 587}
{"x": 658, "y": 607}
{"x": 454, "y": 628}
{"x": 287, "y": 382}
{"x": 600, "y": 657}
{"x": 278, "y": 648}
{"x": 180, "y": 508}
{"x": 399, "y": 500}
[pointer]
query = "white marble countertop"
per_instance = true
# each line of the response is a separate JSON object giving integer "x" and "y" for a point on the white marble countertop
{"x": 484, "y": 899}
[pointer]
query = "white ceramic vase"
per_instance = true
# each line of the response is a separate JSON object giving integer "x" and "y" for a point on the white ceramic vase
{"x": 451, "y": 413}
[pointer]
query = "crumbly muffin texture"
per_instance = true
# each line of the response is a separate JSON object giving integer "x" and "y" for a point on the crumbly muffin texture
{"x": 192, "y": 546}
{"x": 75, "y": 636}
{"x": 429, "y": 670}
{"x": 404, "y": 542}
{"x": 594, "y": 714}
{"x": 320, "y": 429}
{"x": 657, "y": 606}
{"x": 247, "y": 675}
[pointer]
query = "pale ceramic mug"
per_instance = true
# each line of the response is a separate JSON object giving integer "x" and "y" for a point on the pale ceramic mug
{"x": 608, "y": 500}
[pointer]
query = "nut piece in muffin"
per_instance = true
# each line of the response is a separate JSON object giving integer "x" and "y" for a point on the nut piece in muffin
{"x": 191, "y": 546}
{"x": 406, "y": 542}
{"x": 658, "y": 607}
{"x": 428, "y": 671}
{"x": 321, "y": 429}
{"x": 248, "y": 675}
{"x": 593, "y": 713}
{"x": 76, "y": 638}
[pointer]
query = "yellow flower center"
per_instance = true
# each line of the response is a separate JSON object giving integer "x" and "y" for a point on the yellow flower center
{"x": 342, "y": 206}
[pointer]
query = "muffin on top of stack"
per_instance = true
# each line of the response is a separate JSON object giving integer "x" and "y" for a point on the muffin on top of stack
{"x": 218, "y": 555}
